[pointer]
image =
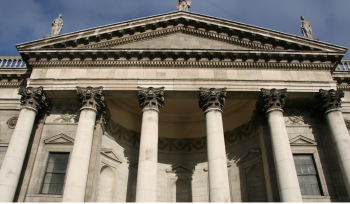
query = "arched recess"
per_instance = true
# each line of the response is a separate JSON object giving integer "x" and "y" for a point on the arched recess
{"x": 106, "y": 185}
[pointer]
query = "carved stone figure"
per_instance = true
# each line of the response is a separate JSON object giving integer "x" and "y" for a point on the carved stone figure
{"x": 212, "y": 98}
{"x": 183, "y": 5}
{"x": 328, "y": 100}
{"x": 57, "y": 25}
{"x": 306, "y": 28}
{"x": 271, "y": 99}
{"x": 151, "y": 97}
{"x": 34, "y": 98}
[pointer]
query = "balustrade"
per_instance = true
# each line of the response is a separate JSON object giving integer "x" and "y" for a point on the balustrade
{"x": 12, "y": 62}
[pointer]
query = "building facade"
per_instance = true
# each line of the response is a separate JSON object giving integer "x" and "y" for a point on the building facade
{"x": 177, "y": 107}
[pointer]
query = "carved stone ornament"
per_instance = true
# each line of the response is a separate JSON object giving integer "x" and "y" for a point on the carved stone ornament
{"x": 11, "y": 123}
{"x": 91, "y": 98}
{"x": 296, "y": 117}
{"x": 212, "y": 98}
{"x": 67, "y": 115}
{"x": 347, "y": 123}
{"x": 328, "y": 100}
{"x": 271, "y": 99}
{"x": 34, "y": 98}
{"x": 151, "y": 97}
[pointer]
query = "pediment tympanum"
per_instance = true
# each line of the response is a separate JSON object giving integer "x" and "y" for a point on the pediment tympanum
{"x": 60, "y": 139}
{"x": 239, "y": 34}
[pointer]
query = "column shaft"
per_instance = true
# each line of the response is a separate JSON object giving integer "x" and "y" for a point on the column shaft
{"x": 341, "y": 139}
{"x": 75, "y": 186}
{"x": 15, "y": 154}
{"x": 146, "y": 190}
{"x": 219, "y": 190}
{"x": 286, "y": 174}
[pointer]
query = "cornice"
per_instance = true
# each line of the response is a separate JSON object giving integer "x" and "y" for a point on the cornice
{"x": 184, "y": 64}
{"x": 184, "y": 19}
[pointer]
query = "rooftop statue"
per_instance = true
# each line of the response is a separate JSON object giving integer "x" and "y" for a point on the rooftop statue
{"x": 183, "y": 5}
{"x": 306, "y": 29}
{"x": 57, "y": 25}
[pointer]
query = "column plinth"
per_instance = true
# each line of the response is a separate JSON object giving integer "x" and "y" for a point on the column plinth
{"x": 150, "y": 99}
{"x": 329, "y": 103}
{"x": 91, "y": 102}
{"x": 32, "y": 101}
{"x": 271, "y": 103}
{"x": 212, "y": 102}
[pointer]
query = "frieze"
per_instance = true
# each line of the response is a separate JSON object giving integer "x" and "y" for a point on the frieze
{"x": 182, "y": 64}
{"x": 121, "y": 134}
{"x": 11, "y": 123}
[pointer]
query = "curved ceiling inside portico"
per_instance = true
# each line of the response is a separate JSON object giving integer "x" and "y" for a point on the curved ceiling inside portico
{"x": 180, "y": 118}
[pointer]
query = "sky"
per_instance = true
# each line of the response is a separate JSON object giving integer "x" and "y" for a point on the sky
{"x": 28, "y": 20}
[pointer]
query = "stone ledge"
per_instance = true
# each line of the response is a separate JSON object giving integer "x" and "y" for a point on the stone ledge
{"x": 315, "y": 197}
{"x": 44, "y": 195}
{"x": 4, "y": 144}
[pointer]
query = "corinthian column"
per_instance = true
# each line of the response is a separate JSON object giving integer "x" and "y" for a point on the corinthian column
{"x": 271, "y": 103}
{"x": 92, "y": 102}
{"x": 329, "y": 103}
{"x": 212, "y": 102}
{"x": 150, "y": 99}
{"x": 32, "y": 101}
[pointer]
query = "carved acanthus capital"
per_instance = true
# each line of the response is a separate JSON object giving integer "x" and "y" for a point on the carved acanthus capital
{"x": 328, "y": 100}
{"x": 92, "y": 98}
{"x": 212, "y": 98}
{"x": 271, "y": 99}
{"x": 151, "y": 97}
{"x": 34, "y": 98}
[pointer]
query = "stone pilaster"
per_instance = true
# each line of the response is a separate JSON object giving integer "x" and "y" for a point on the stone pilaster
{"x": 212, "y": 101}
{"x": 329, "y": 103}
{"x": 150, "y": 100}
{"x": 92, "y": 102}
{"x": 271, "y": 103}
{"x": 33, "y": 101}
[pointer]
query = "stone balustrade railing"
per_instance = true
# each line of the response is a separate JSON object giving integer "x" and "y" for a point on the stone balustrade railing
{"x": 12, "y": 62}
{"x": 344, "y": 66}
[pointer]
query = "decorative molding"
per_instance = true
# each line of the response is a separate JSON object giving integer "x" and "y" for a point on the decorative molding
{"x": 327, "y": 100}
{"x": 211, "y": 98}
{"x": 11, "y": 123}
{"x": 295, "y": 117}
{"x": 92, "y": 98}
{"x": 183, "y": 64}
{"x": 271, "y": 99}
{"x": 60, "y": 139}
{"x": 67, "y": 115}
{"x": 151, "y": 97}
{"x": 179, "y": 169}
{"x": 34, "y": 98}
{"x": 249, "y": 155}
{"x": 111, "y": 155}
{"x": 120, "y": 134}
{"x": 302, "y": 141}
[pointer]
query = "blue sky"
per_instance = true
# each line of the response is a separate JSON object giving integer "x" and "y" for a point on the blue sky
{"x": 27, "y": 20}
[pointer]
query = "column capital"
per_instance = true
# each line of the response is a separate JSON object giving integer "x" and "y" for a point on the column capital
{"x": 270, "y": 99}
{"x": 91, "y": 98}
{"x": 150, "y": 97}
{"x": 211, "y": 99}
{"x": 328, "y": 100}
{"x": 34, "y": 98}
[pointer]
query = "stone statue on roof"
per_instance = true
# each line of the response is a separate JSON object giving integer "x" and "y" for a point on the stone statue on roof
{"x": 183, "y": 5}
{"x": 306, "y": 28}
{"x": 57, "y": 25}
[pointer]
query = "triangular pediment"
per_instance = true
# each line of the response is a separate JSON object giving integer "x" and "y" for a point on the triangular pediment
{"x": 301, "y": 140}
{"x": 179, "y": 169}
{"x": 232, "y": 34}
{"x": 60, "y": 139}
{"x": 249, "y": 155}
{"x": 112, "y": 155}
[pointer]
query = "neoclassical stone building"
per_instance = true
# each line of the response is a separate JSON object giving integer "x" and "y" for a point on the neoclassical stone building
{"x": 177, "y": 107}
